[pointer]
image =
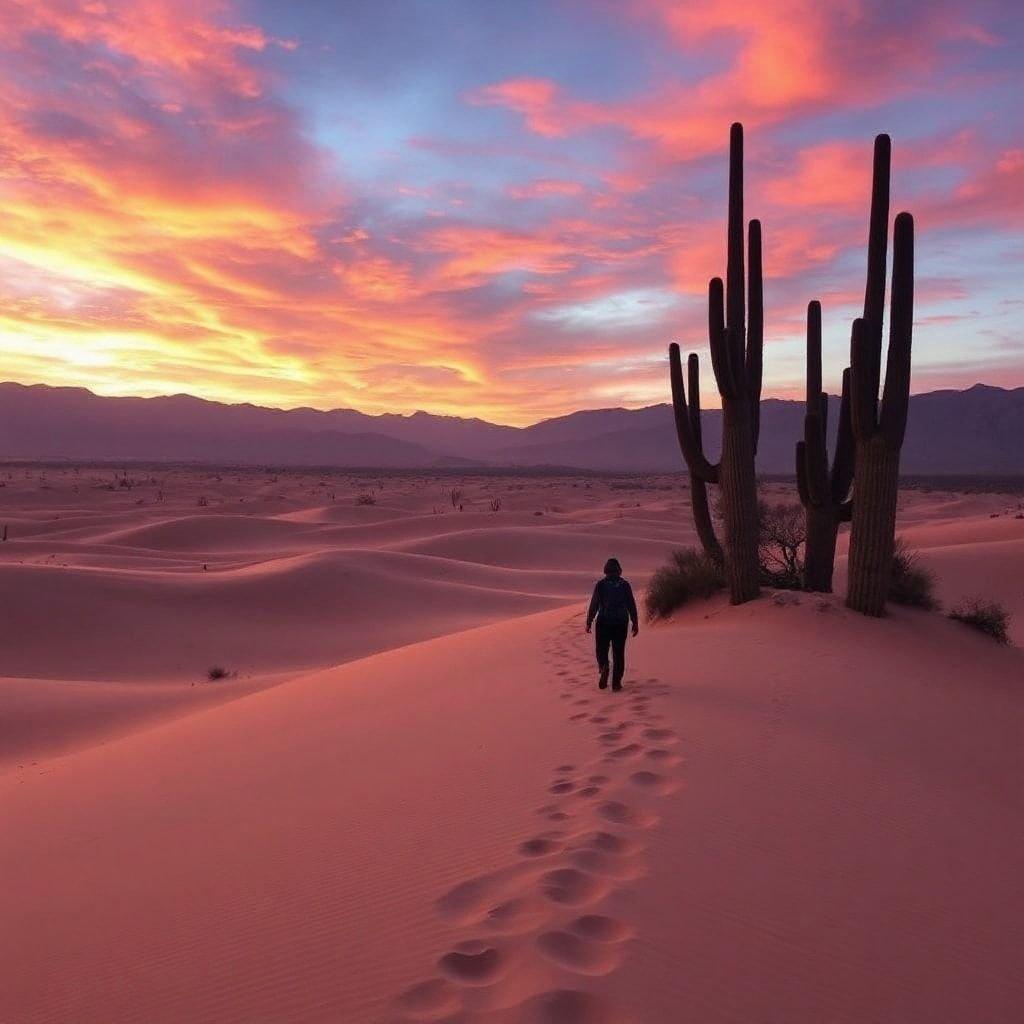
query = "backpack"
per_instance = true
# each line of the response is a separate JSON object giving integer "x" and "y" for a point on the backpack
{"x": 614, "y": 600}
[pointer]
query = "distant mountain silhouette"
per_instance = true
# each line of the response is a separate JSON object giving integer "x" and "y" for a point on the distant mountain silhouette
{"x": 980, "y": 430}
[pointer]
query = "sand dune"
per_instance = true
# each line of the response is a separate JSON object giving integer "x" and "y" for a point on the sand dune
{"x": 344, "y": 847}
{"x": 412, "y": 804}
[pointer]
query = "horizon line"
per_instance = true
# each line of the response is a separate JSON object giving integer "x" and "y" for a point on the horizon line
{"x": 438, "y": 415}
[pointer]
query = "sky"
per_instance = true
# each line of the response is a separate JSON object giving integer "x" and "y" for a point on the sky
{"x": 505, "y": 210}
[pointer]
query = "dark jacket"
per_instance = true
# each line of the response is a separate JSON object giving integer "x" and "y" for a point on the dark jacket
{"x": 613, "y": 600}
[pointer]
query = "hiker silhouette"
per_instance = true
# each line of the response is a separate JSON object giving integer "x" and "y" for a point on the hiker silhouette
{"x": 614, "y": 607}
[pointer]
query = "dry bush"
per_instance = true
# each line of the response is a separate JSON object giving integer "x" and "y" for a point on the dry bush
{"x": 988, "y": 617}
{"x": 912, "y": 584}
{"x": 366, "y": 498}
{"x": 782, "y": 531}
{"x": 690, "y": 576}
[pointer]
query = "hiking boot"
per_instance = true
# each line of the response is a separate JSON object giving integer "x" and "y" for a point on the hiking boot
{"x": 616, "y": 686}
{"x": 602, "y": 679}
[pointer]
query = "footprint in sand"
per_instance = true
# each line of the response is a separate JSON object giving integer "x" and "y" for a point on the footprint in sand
{"x": 430, "y": 999}
{"x": 599, "y": 928}
{"x": 623, "y": 814}
{"x": 572, "y": 887}
{"x": 608, "y": 842}
{"x": 568, "y": 1006}
{"x": 608, "y": 865}
{"x": 514, "y": 917}
{"x": 660, "y": 735}
{"x": 470, "y": 901}
{"x": 473, "y": 963}
{"x": 540, "y": 846}
{"x": 629, "y": 750}
{"x": 662, "y": 756}
{"x": 576, "y": 953}
{"x": 653, "y": 782}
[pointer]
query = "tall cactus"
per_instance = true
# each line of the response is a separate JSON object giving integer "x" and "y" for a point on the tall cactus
{"x": 823, "y": 493}
{"x": 736, "y": 337}
{"x": 879, "y": 430}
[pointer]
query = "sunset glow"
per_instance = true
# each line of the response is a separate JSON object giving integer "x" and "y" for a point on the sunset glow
{"x": 478, "y": 210}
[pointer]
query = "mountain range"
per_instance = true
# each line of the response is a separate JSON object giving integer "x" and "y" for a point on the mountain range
{"x": 976, "y": 431}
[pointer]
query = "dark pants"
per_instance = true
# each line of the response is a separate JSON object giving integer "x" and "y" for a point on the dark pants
{"x": 613, "y": 633}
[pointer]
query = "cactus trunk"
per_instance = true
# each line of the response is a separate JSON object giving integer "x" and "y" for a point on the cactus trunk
{"x": 874, "y": 525}
{"x": 739, "y": 501}
{"x": 820, "y": 549}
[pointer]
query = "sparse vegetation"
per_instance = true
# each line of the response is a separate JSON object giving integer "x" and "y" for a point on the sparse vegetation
{"x": 781, "y": 534}
{"x": 495, "y": 504}
{"x": 366, "y": 498}
{"x": 911, "y": 584}
{"x": 988, "y": 617}
{"x": 690, "y": 576}
{"x": 217, "y": 672}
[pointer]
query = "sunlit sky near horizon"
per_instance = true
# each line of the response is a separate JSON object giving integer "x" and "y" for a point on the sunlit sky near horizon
{"x": 488, "y": 209}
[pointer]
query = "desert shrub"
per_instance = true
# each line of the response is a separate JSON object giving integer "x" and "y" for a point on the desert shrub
{"x": 215, "y": 672}
{"x": 495, "y": 504}
{"x": 366, "y": 498}
{"x": 781, "y": 533}
{"x": 988, "y": 617}
{"x": 912, "y": 583}
{"x": 689, "y": 576}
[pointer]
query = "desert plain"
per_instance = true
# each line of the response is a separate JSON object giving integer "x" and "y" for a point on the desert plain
{"x": 283, "y": 745}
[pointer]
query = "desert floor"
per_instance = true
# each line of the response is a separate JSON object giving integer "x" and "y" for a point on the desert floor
{"x": 407, "y": 800}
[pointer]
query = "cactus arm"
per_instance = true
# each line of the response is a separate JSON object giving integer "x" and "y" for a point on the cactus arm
{"x": 688, "y": 444}
{"x": 896, "y": 395}
{"x": 863, "y": 383}
{"x": 698, "y": 488}
{"x": 843, "y": 460}
{"x": 721, "y": 361}
{"x": 693, "y": 386}
{"x": 755, "y": 326}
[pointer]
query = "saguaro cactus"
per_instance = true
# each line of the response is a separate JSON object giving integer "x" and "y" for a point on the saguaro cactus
{"x": 823, "y": 493}
{"x": 879, "y": 430}
{"x": 736, "y": 337}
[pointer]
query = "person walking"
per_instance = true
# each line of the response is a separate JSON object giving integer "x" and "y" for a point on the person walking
{"x": 614, "y": 607}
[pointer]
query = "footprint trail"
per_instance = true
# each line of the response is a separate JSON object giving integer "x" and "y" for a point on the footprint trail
{"x": 534, "y": 930}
